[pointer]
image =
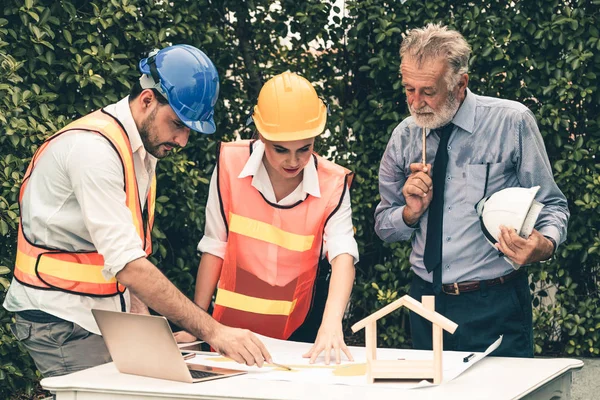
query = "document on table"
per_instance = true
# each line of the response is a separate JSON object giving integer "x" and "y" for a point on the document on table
{"x": 345, "y": 373}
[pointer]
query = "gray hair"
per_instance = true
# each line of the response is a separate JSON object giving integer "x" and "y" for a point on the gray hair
{"x": 437, "y": 41}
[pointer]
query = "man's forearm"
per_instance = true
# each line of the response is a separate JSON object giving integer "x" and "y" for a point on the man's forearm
{"x": 138, "y": 306}
{"x": 147, "y": 283}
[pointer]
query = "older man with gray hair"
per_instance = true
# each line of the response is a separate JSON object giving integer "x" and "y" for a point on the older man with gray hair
{"x": 478, "y": 145}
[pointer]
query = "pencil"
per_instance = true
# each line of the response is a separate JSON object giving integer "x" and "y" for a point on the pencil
{"x": 424, "y": 148}
{"x": 274, "y": 364}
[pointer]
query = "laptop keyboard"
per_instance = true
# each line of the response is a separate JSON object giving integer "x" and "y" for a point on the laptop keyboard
{"x": 202, "y": 374}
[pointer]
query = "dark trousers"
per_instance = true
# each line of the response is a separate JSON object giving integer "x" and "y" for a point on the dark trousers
{"x": 307, "y": 332}
{"x": 482, "y": 316}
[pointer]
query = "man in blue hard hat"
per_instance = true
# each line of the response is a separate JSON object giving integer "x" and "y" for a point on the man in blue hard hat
{"x": 87, "y": 208}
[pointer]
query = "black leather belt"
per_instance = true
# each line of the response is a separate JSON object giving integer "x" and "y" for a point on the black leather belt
{"x": 472, "y": 286}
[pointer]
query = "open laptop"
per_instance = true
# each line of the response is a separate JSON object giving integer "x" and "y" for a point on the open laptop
{"x": 144, "y": 345}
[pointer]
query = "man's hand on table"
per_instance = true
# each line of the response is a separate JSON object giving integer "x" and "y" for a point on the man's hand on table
{"x": 240, "y": 345}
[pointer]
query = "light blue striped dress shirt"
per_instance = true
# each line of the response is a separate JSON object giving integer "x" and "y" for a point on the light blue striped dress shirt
{"x": 501, "y": 133}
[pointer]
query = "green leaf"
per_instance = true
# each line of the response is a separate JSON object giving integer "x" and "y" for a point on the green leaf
{"x": 68, "y": 36}
{"x": 574, "y": 24}
{"x": 47, "y": 44}
{"x": 34, "y": 16}
{"x": 5, "y": 283}
{"x": 44, "y": 111}
{"x": 49, "y": 57}
{"x": 3, "y": 226}
{"x": 486, "y": 51}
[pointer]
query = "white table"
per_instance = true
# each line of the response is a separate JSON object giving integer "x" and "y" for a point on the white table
{"x": 492, "y": 378}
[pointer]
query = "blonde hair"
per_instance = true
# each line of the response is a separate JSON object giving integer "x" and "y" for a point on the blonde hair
{"x": 437, "y": 41}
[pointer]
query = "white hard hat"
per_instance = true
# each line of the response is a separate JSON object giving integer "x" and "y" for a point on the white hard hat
{"x": 514, "y": 208}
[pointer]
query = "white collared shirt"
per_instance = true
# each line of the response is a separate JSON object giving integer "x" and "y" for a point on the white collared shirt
{"x": 338, "y": 236}
{"x": 75, "y": 201}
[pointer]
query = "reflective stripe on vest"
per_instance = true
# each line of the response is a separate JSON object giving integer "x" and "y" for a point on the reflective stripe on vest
{"x": 269, "y": 233}
{"x": 226, "y": 298}
{"x": 81, "y": 272}
{"x": 271, "y": 260}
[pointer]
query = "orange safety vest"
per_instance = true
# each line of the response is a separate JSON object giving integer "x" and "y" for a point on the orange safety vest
{"x": 269, "y": 269}
{"x": 81, "y": 272}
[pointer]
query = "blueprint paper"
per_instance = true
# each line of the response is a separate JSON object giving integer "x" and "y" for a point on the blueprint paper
{"x": 290, "y": 354}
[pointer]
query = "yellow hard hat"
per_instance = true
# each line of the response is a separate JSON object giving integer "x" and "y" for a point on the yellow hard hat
{"x": 289, "y": 109}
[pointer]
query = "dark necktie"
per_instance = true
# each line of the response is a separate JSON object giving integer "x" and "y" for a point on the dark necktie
{"x": 432, "y": 256}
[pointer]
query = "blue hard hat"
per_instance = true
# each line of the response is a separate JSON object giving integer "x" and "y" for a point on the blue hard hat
{"x": 188, "y": 80}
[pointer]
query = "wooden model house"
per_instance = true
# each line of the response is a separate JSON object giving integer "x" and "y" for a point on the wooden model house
{"x": 406, "y": 369}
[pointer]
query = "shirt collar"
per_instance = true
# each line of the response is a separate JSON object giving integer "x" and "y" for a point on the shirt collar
{"x": 254, "y": 167}
{"x": 310, "y": 182}
{"x": 465, "y": 116}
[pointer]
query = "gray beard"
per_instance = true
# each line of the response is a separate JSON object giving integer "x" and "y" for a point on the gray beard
{"x": 439, "y": 119}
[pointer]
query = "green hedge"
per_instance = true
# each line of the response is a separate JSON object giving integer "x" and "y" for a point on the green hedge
{"x": 59, "y": 60}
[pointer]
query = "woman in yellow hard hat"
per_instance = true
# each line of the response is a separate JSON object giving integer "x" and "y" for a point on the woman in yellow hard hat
{"x": 275, "y": 211}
